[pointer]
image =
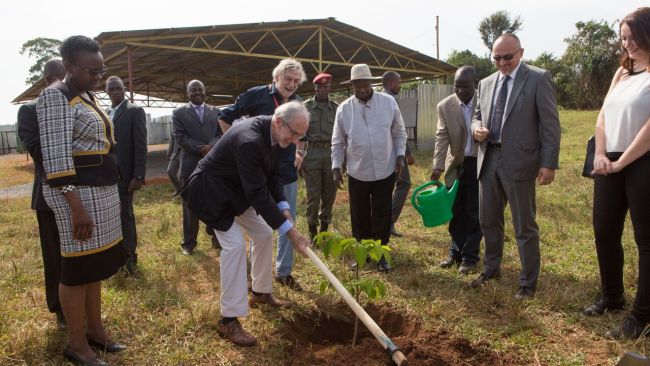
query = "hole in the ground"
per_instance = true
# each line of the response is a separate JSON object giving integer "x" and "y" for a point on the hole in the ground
{"x": 337, "y": 327}
{"x": 324, "y": 337}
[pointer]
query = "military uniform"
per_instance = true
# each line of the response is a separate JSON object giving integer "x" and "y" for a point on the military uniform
{"x": 317, "y": 170}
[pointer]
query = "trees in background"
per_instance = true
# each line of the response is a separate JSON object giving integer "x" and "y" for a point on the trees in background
{"x": 582, "y": 75}
{"x": 495, "y": 25}
{"x": 42, "y": 49}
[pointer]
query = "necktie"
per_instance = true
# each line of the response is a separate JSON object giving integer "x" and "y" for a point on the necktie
{"x": 498, "y": 111}
{"x": 199, "y": 112}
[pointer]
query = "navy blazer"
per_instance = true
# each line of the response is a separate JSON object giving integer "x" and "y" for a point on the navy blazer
{"x": 29, "y": 134}
{"x": 240, "y": 171}
{"x": 130, "y": 123}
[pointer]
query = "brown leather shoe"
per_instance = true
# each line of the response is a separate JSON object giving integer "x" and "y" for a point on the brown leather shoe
{"x": 235, "y": 333}
{"x": 289, "y": 281}
{"x": 268, "y": 299}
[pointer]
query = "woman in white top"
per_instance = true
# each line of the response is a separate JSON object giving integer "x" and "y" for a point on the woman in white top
{"x": 622, "y": 177}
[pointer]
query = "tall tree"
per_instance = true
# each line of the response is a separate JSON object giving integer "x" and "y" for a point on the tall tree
{"x": 483, "y": 65}
{"x": 592, "y": 56}
{"x": 42, "y": 49}
{"x": 495, "y": 25}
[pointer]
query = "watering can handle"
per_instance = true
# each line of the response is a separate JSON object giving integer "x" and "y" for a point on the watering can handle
{"x": 418, "y": 189}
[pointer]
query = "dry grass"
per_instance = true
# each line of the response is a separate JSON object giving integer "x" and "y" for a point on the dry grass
{"x": 15, "y": 169}
{"x": 168, "y": 315}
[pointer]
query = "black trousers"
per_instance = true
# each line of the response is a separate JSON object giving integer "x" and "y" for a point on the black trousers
{"x": 51, "y": 249}
{"x": 370, "y": 208}
{"x": 614, "y": 195}
{"x": 127, "y": 217}
{"x": 464, "y": 227}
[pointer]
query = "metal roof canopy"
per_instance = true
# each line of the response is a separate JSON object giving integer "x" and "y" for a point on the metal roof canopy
{"x": 229, "y": 59}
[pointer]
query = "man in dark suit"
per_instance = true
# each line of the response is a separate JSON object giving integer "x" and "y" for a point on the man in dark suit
{"x": 196, "y": 130}
{"x": 455, "y": 154}
{"x": 517, "y": 125}
{"x": 174, "y": 156}
{"x": 29, "y": 134}
{"x": 130, "y": 124}
{"x": 240, "y": 179}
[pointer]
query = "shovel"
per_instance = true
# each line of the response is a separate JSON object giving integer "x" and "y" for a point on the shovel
{"x": 633, "y": 359}
{"x": 393, "y": 351}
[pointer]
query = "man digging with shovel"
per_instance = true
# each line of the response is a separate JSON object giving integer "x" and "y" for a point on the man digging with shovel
{"x": 235, "y": 189}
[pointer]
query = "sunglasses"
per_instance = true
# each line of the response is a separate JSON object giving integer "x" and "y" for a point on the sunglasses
{"x": 93, "y": 72}
{"x": 507, "y": 57}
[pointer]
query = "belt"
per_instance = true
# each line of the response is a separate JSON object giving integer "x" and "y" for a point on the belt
{"x": 495, "y": 145}
{"x": 319, "y": 144}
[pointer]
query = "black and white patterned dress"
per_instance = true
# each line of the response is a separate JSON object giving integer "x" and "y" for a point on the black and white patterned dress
{"x": 77, "y": 144}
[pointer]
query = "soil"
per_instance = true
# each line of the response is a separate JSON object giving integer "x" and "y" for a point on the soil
{"x": 324, "y": 337}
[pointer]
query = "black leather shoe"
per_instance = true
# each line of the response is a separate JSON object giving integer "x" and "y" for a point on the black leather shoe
{"x": 525, "y": 293}
{"x": 324, "y": 226}
{"x": 448, "y": 263}
{"x": 108, "y": 347}
{"x": 631, "y": 328}
{"x": 72, "y": 356}
{"x": 384, "y": 267}
{"x": 465, "y": 268}
{"x": 483, "y": 278}
{"x": 187, "y": 250}
{"x": 604, "y": 305}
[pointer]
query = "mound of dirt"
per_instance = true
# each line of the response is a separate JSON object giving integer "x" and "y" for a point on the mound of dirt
{"x": 320, "y": 338}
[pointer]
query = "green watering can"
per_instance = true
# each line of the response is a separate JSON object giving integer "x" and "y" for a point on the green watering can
{"x": 434, "y": 204}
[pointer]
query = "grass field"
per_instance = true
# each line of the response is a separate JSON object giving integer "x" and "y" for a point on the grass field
{"x": 168, "y": 315}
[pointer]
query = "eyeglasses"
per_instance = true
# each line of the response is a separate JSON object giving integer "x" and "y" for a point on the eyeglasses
{"x": 293, "y": 132}
{"x": 507, "y": 57}
{"x": 93, "y": 72}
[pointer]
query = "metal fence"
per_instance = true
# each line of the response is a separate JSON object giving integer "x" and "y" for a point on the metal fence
{"x": 420, "y": 113}
{"x": 9, "y": 142}
{"x": 159, "y": 130}
{"x": 418, "y": 110}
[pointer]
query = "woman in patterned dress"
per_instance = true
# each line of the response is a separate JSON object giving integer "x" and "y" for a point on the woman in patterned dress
{"x": 77, "y": 144}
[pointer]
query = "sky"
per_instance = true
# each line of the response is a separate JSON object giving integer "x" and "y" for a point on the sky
{"x": 546, "y": 24}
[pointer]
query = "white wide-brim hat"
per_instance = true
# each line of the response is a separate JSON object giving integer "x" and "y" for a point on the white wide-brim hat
{"x": 360, "y": 72}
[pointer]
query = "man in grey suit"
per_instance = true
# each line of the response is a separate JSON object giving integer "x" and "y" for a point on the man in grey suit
{"x": 455, "y": 154}
{"x": 196, "y": 130}
{"x": 517, "y": 125}
{"x": 130, "y": 124}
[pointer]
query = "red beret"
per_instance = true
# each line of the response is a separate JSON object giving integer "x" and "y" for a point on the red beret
{"x": 322, "y": 78}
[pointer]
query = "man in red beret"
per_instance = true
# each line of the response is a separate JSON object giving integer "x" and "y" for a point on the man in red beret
{"x": 316, "y": 167}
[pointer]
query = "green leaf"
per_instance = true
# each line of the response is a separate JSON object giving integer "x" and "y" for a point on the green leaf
{"x": 360, "y": 254}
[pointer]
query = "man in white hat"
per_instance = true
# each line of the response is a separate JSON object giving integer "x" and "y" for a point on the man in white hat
{"x": 369, "y": 135}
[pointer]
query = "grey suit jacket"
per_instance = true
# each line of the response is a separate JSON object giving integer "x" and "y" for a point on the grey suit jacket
{"x": 530, "y": 135}
{"x": 450, "y": 139}
{"x": 190, "y": 133}
{"x": 130, "y": 123}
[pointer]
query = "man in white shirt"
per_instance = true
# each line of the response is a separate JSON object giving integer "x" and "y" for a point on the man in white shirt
{"x": 369, "y": 136}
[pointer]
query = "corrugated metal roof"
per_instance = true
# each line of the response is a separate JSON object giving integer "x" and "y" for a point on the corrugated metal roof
{"x": 232, "y": 58}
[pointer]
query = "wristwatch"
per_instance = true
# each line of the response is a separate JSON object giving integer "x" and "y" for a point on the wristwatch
{"x": 140, "y": 178}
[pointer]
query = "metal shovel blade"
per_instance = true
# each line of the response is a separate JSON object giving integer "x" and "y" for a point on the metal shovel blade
{"x": 633, "y": 359}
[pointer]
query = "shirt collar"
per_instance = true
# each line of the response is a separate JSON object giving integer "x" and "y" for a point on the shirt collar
{"x": 513, "y": 74}
{"x": 197, "y": 105}
{"x": 468, "y": 105}
{"x": 368, "y": 102}
{"x": 274, "y": 90}
{"x": 118, "y": 106}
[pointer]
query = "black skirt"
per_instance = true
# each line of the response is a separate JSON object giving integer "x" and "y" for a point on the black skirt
{"x": 85, "y": 269}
